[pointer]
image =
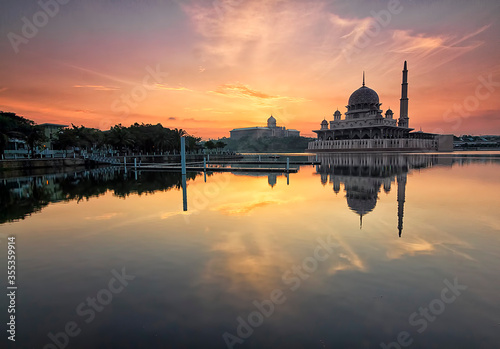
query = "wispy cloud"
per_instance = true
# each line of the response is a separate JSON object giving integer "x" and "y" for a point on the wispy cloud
{"x": 169, "y": 88}
{"x": 97, "y": 87}
{"x": 245, "y": 91}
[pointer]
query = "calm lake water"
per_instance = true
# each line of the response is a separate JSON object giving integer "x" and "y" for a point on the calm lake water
{"x": 379, "y": 251}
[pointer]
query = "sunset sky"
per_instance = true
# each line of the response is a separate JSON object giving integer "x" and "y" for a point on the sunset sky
{"x": 210, "y": 66}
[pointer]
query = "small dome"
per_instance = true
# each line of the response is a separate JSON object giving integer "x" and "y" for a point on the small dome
{"x": 363, "y": 95}
{"x": 324, "y": 122}
{"x": 337, "y": 113}
{"x": 389, "y": 111}
{"x": 271, "y": 122}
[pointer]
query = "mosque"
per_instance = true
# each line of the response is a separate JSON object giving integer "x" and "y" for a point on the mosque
{"x": 270, "y": 131}
{"x": 365, "y": 128}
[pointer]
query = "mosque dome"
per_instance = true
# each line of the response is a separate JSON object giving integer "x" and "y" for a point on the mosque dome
{"x": 363, "y": 95}
{"x": 324, "y": 122}
{"x": 361, "y": 205}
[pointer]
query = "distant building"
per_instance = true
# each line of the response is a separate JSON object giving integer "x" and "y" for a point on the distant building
{"x": 51, "y": 131}
{"x": 366, "y": 128}
{"x": 270, "y": 131}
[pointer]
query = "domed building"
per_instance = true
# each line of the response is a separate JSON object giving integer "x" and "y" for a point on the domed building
{"x": 272, "y": 130}
{"x": 365, "y": 127}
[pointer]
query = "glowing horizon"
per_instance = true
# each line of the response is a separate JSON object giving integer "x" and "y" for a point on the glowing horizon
{"x": 209, "y": 67}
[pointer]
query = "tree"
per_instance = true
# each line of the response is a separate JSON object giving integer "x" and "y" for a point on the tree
{"x": 119, "y": 137}
{"x": 192, "y": 143}
{"x": 35, "y": 136}
{"x": 13, "y": 126}
{"x": 209, "y": 145}
{"x": 220, "y": 144}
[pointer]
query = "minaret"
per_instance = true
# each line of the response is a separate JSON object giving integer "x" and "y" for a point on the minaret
{"x": 401, "y": 200}
{"x": 403, "y": 107}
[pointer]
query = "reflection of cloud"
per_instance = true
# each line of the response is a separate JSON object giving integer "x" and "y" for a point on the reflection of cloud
{"x": 344, "y": 258}
{"x": 97, "y": 87}
{"x": 167, "y": 215}
{"x": 420, "y": 246}
{"x": 245, "y": 261}
{"x": 243, "y": 209}
{"x": 103, "y": 217}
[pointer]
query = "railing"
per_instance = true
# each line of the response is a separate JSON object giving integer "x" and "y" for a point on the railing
{"x": 373, "y": 144}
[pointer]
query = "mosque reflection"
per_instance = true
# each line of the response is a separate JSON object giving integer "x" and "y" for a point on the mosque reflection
{"x": 363, "y": 176}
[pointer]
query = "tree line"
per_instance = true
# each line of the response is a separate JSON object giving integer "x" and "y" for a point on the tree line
{"x": 145, "y": 138}
{"x": 15, "y": 126}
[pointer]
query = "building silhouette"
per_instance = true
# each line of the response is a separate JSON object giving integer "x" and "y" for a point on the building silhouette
{"x": 272, "y": 130}
{"x": 365, "y": 127}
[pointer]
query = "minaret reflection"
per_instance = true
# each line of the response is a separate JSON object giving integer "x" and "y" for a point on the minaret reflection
{"x": 401, "y": 200}
{"x": 364, "y": 175}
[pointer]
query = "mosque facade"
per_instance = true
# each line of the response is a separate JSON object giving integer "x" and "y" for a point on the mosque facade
{"x": 365, "y": 126}
{"x": 272, "y": 130}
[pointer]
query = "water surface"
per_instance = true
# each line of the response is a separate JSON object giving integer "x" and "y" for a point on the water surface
{"x": 352, "y": 251}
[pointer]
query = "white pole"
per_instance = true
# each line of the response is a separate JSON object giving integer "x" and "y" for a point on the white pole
{"x": 287, "y": 164}
{"x": 135, "y": 163}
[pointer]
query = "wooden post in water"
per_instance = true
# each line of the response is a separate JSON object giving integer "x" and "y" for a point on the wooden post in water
{"x": 287, "y": 165}
{"x": 184, "y": 193}
{"x": 183, "y": 155}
